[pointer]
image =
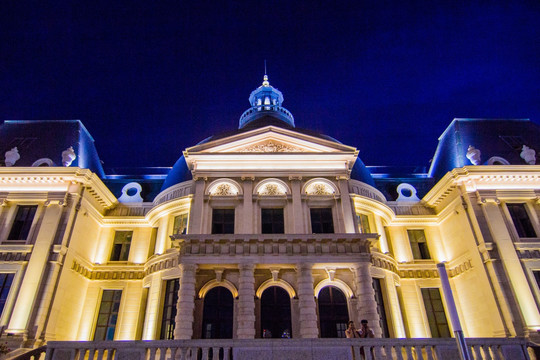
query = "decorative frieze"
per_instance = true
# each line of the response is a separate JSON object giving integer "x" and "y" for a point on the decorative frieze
{"x": 271, "y": 147}
{"x": 104, "y": 272}
{"x": 282, "y": 245}
{"x": 174, "y": 192}
{"x": 15, "y": 253}
{"x": 429, "y": 271}
{"x": 384, "y": 262}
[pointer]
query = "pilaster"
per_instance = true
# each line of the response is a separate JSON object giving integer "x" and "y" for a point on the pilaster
{"x": 306, "y": 302}
{"x": 511, "y": 262}
{"x": 367, "y": 305}
{"x": 36, "y": 269}
{"x": 346, "y": 206}
{"x": 298, "y": 216}
{"x": 152, "y": 309}
{"x": 196, "y": 213}
{"x": 246, "y": 302}
{"x": 183, "y": 329}
{"x": 247, "y": 208}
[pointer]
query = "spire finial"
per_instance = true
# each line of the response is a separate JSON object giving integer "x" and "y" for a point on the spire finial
{"x": 265, "y": 78}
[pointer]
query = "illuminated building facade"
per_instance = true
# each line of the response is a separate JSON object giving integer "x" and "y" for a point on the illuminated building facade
{"x": 268, "y": 230}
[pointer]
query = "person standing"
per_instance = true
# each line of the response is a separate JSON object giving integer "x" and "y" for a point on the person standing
{"x": 365, "y": 331}
{"x": 351, "y": 331}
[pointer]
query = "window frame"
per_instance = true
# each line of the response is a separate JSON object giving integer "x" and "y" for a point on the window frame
{"x": 445, "y": 311}
{"x": 273, "y": 224}
{"x": 174, "y": 292}
{"x": 118, "y": 314}
{"x": 29, "y": 224}
{"x": 122, "y": 247}
{"x": 223, "y": 223}
{"x": 364, "y": 223}
{"x": 331, "y": 210}
{"x": 186, "y": 223}
{"x": 530, "y": 219}
{"x": 422, "y": 250}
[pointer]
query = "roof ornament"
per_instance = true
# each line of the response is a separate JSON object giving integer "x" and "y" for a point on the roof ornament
{"x": 68, "y": 156}
{"x": 12, "y": 156}
{"x": 265, "y": 77}
{"x": 406, "y": 192}
{"x": 474, "y": 155}
{"x": 528, "y": 154}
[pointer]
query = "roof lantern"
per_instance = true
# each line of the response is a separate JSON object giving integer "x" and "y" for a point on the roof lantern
{"x": 266, "y": 101}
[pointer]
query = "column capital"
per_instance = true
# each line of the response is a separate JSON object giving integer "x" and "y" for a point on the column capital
{"x": 188, "y": 267}
{"x": 304, "y": 267}
{"x": 246, "y": 266}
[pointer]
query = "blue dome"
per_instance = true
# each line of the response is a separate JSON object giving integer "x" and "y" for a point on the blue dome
{"x": 361, "y": 173}
{"x": 179, "y": 173}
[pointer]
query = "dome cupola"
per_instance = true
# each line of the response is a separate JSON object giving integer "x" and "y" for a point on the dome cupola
{"x": 266, "y": 101}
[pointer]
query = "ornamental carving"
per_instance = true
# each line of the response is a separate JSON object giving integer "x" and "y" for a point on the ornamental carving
{"x": 223, "y": 190}
{"x": 319, "y": 189}
{"x": 271, "y": 190}
{"x": 271, "y": 147}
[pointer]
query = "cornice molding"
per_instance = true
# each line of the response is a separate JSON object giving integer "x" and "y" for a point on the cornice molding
{"x": 485, "y": 177}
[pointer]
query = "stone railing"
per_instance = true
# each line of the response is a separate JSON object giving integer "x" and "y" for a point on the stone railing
{"x": 306, "y": 349}
{"x": 273, "y": 244}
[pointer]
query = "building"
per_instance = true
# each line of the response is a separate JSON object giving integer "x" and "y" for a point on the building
{"x": 268, "y": 230}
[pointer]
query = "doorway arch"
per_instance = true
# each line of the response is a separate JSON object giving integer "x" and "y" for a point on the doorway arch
{"x": 218, "y": 314}
{"x": 275, "y": 311}
{"x": 333, "y": 312}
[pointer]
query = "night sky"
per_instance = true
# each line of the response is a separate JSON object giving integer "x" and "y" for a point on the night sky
{"x": 150, "y": 78}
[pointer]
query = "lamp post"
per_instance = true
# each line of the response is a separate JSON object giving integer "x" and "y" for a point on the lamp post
{"x": 454, "y": 318}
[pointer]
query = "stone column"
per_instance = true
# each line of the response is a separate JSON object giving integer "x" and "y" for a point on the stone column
{"x": 367, "y": 306}
{"x": 183, "y": 329}
{"x": 297, "y": 213}
{"x": 35, "y": 270}
{"x": 246, "y": 302}
{"x": 306, "y": 302}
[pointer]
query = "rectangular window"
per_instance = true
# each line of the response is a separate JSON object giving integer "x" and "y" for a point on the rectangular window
{"x": 521, "y": 220}
{"x": 223, "y": 221}
{"x": 121, "y": 245}
{"x": 22, "y": 223}
{"x": 438, "y": 323}
{"x": 322, "y": 221}
{"x": 383, "y": 321}
{"x": 363, "y": 224}
{"x": 108, "y": 315}
{"x": 169, "y": 309}
{"x": 272, "y": 221}
{"x": 419, "y": 246}
{"x": 5, "y": 284}
{"x": 180, "y": 224}
{"x": 536, "y": 274}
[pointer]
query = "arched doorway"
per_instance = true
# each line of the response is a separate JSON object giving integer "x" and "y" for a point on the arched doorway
{"x": 333, "y": 312}
{"x": 218, "y": 314}
{"x": 275, "y": 311}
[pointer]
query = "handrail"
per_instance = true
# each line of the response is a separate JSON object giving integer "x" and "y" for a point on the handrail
{"x": 33, "y": 354}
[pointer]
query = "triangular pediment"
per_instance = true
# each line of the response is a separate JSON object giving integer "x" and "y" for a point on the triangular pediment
{"x": 270, "y": 139}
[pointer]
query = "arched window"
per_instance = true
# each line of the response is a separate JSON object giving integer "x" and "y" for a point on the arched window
{"x": 333, "y": 312}
{"x": 275, "y": 312}
{"x": 218, "y": 314}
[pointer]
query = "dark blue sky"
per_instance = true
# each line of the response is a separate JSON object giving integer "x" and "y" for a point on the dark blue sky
{"x": 150, "y": 78}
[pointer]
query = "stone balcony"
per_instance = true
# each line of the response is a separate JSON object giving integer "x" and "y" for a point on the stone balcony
{"x": 287, "y": 247}
{"x": 279, "y": 349}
